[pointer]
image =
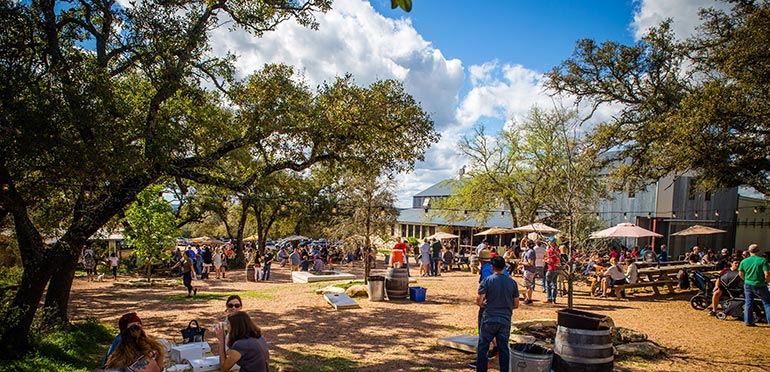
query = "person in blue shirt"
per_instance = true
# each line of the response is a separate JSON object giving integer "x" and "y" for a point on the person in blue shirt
{"x": 125, "y": 321}
{"x": 266, "y": 262}
{"x": 499, "y": 294}
{"x": 663, "y": 255}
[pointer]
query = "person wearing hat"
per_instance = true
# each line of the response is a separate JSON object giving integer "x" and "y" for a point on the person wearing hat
{"x": 755, "y": 273}
{"x": 125, "y": 321}
{"x": 499, "y": 295}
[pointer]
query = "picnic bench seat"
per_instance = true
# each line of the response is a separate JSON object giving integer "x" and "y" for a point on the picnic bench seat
{"x": 619, "y": 290}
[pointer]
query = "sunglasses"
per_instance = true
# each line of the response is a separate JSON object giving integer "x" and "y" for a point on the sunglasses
{"x": 230, "y": 306}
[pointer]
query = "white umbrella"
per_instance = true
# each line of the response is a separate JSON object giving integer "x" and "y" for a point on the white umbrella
{"x": 206, "y": 240}
{"x": 442, "y": 235}
{"x": 495, "y": 231}
{"x": 537, "y": 227}
{"x": 625, "y": 230}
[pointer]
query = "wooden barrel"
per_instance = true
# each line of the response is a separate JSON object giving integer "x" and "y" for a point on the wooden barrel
{"x": 250, "y": 273}
{"x": 397, "y": 283}
{"x": 582, "y": 350}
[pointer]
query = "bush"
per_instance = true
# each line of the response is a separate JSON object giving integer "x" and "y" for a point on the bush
{"x": 10, "y": 275}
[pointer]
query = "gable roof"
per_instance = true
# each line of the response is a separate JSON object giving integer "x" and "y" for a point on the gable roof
{"x": 443, "y": 188}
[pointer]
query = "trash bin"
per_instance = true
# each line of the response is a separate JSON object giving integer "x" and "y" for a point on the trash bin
{"x": 530, "y": 358}
{"x": 376, "y": 288}
{"x": 417, "y": 294}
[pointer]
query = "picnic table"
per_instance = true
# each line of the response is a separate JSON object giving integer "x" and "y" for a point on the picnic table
{"x": 668, "y": 271}
{"x": 645, "y": 264}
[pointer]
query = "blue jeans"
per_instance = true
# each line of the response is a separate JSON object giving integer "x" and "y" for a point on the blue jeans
{"x": 500, "y": 332}
{"x": 433, "y": 266}
{"x": 266, "y": 272}
{"x": 750, "y": 292}
{"x": 551, "y": 279}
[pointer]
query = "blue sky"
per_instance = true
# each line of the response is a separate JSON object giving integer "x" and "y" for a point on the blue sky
{"x": 467, "y": 62}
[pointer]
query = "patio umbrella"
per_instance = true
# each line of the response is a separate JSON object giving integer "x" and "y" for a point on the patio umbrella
{"x": 537, "y": 227}
{"x": 698, "y": 230}
{"x": 442, "y": 235}
{"x": 625, "y": 230}
{"x": 499, "y": 231}
{"x": 495, "y": 231}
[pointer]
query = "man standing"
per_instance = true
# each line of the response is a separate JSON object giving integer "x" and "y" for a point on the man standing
{"x": 755, "y": 274}
{"x": 529, "y": 269}
{"x": 500, "y": 295}
{"x": 435, "y": 257}
{"x": 481, "y": 246}
{"x": 294, "y": 258}
{"x": 266, "y": 262}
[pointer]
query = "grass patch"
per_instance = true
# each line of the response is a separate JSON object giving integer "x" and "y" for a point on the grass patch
{"x": 10, "y": 276}
{"x": 74, "y": 348}
{"x": 267, "y": 294}
{"x": 635, "y": 362}
{"x": 348, "y": 284}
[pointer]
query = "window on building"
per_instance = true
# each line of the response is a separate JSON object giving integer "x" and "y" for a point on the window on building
{"x": 707, "y": 196}
{"x": 631, "y": 194}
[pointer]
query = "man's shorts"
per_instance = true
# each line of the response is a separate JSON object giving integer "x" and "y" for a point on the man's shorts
{"x": 529, "y": 279}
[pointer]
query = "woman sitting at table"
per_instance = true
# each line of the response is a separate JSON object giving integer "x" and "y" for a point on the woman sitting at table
{"x": 136, "y": 352}
{"x": 245, "y": 344}
{"x": 612, "y": 277}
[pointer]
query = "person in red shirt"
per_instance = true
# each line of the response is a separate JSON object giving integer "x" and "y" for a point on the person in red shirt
{"x": 399, "y": 251}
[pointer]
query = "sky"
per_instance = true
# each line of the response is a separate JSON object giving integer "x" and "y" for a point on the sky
{"x": 468, "y": 63}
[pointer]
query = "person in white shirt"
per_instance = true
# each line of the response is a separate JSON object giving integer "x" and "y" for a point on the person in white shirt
{"x": 481, "y": 246}
{"x": 612, "y": 277}
{"x": 632, "y": 271}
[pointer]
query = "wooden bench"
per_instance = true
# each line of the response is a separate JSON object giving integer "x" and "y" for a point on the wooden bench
{"x": 618, "y": 290}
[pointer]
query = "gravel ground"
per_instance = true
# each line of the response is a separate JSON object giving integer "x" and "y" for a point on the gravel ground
{"x": 305, "y": 332}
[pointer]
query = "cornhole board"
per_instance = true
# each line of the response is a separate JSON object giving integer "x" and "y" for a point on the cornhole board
{"x": 465, "y": 343}
{"x": 341, "y": 301}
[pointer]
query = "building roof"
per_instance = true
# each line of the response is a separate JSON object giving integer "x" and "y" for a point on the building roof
{"x": 418, "y": 216}
{"x": 443, "y": 188}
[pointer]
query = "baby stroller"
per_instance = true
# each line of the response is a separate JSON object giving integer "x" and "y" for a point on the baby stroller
{"x": 702, "y": 299}
{"x": 733, "y": 306}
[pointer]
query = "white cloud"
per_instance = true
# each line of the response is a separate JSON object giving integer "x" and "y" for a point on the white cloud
{"x": 684, "y": 14}
{"x": 353, "y": 38}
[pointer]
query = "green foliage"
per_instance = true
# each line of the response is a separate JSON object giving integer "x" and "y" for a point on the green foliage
{"x": 151, "y": 226}
{"x": 10, "y": 275}
{"x": 695, "y": 106}
{"x": 68, "y": 348}
{"x": 539, "y": 164}
{"x": 406, "y": 5}
{"x": 348, "y": 284}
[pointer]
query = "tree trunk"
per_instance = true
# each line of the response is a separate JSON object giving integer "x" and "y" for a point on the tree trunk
{"x": 58, "y": 295}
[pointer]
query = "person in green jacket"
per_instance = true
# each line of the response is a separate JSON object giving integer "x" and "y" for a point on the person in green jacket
{"x": 755, "y": 273}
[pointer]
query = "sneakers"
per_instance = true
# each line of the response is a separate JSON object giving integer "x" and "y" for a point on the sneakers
{"x": 712, "y": 313}
{"x": 528, "y": 302}
{"x": 601, "y": 296}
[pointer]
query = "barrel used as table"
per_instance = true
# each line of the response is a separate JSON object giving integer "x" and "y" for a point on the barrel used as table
{"x": 583, "y": 350}
{"x": 397, "y": 283}
{"x": 250, "y": 273}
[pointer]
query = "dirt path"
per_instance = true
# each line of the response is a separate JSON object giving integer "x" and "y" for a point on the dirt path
{"x": 305, "y": 332}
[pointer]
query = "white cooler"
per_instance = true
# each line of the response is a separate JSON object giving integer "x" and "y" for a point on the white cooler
{"x": 193, "y": 350}
{"x": 208, "y": 364}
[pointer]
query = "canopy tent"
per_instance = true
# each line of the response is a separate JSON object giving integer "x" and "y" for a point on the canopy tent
{"x": 206, "y": 240}
{"x": 537, "y": 227}
{"x": 698, "y": 230}
{"x": 294, "y": 238}
{"x": 625, "y": 230}
{"x": 252, "y": 238}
